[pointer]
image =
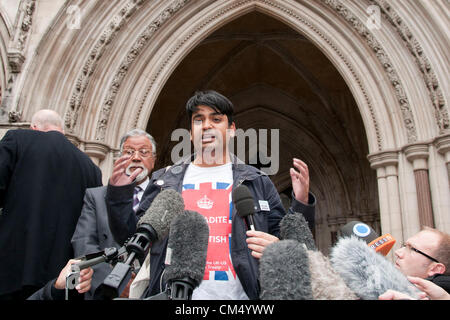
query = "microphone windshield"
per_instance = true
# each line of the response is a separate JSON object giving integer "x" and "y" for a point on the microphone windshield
{"x": 326, "y": 283}
{"x": 367, "y": 273}
{"x": 284, "y": 272}
{"x": 243, "y": 201}
{"x": 187, "y": 247}
{"x": 295, "y": 227}
{"x": 167, "y": 205}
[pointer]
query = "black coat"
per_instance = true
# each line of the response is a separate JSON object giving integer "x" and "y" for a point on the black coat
{"x": 43, "y": 177}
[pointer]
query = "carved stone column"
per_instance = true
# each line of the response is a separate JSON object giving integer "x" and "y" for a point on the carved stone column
{"x": 417, "y": 154}
{"x": 442, "y": 144}
{"x": 386, "y": 163}
{"x": 96, "y": 150}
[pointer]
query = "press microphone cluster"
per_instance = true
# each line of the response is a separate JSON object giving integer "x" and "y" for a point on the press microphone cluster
{"x": 325, "y": 283}
{"x": 185, "y": 256}
{"x": 293, "y": 268}
{"x": 153, "y": 226}
{"x": 367, "y": 273}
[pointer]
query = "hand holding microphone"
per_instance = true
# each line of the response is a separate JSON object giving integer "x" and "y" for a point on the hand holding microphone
{"x": 245, "y": 207}
{"x": 83, "y": 281}
{"x": 257, "y": 241}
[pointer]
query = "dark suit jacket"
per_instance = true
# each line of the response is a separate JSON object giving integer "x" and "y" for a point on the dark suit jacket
{"x": 43, "y": 177}
{"x": 92, "y": 234}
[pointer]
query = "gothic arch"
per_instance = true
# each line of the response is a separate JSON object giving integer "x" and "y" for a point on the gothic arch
{"x": 5, "y": 35}
{"x": 129, "y": 83}
{"x": 106, "y": 79}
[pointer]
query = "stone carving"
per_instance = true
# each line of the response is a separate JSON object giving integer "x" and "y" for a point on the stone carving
{"x": 112, "y": 29}
{"x": 336, "y": 5}
{"x": 408, "y": 118}
{"x": 24, "y": 24}
{"x": 15, "y": 116}
{"x": 279, "y": 7}
{"x": 429, "y": 76}
{"x": 16, "y": 58}
{"x": 136, "y": 49}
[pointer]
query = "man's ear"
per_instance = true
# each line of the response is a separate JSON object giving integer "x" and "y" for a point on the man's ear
{"x": 438, "y": 268}
{"x": 232, "y": 130}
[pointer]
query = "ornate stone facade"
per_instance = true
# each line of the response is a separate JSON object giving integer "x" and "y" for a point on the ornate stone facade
{"x": 364, "y": 104}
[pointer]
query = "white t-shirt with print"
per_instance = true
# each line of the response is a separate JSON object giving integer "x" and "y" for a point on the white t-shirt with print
{"x": 207, "y": 190}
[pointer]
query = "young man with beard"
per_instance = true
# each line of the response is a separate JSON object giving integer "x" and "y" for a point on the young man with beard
{"x": 93, "y": 233}
{"x": 206, "y": 180}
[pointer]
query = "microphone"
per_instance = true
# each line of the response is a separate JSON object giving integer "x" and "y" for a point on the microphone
{"x": 153, "y": 226}
{"x": 367, "y": 273}
{"x": 326, "y": 283}
{"x": 295, "y": 227}
{"x": 284, "y": 272}
{"x": 382, "y": 244}
{"x": 186, "y": 255}
{"x": 245, "y": 206}
{"x": 107, "y": 255}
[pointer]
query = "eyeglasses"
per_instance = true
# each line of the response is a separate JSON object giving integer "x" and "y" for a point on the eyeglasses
{"x": 418, "y": 251}
{"x": 144, "y": 153}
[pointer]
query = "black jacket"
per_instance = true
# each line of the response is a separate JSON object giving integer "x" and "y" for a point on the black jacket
{"x": 43, "y": 177}
{"x": 441, "y": 280}
{"x": 123, "y": 220}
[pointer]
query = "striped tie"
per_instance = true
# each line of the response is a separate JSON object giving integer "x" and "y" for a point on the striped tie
{"x": 135, "y": 198}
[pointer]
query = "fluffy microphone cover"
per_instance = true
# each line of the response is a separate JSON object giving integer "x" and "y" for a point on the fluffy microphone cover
{"x": 326, "y": 283}
{"x": 165, "y": 207}
{"x": 367, "y": 273}
{"x": 295, "y": 227}
{"x": 284, "y": 272}
{"x": 187, "y": 247}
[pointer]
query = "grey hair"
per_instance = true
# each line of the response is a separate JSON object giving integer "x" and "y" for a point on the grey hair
{"x": 138, "y": 132}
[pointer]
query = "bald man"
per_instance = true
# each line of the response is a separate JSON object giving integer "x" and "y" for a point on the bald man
{"x": 43, "y": 178}
{"x": 47, "y": 120}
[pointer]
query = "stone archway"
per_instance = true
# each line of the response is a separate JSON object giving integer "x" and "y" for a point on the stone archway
{"x": 108, "y": 79}
{"x": 279, "y": 80}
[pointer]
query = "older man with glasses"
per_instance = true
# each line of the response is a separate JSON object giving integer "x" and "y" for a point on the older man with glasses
{"x": 426, "y": 255}
{"x": 93, "y": 233}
